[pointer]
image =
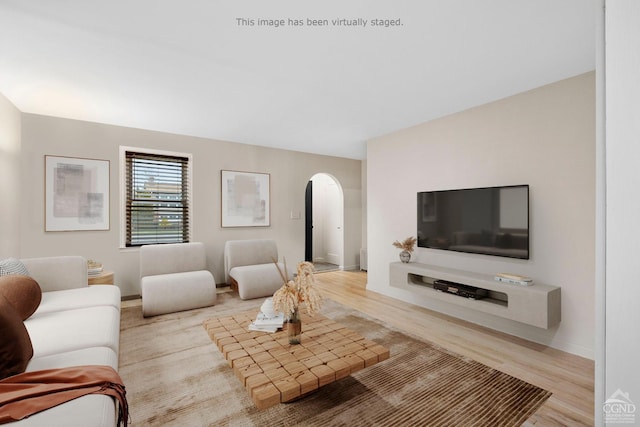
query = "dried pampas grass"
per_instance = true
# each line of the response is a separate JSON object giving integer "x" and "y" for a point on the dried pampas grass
{"x": 407, "y": 244}
{"x": 294, "y": 292}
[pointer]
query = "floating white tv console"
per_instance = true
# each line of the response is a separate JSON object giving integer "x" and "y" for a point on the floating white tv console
{"x": 537, "y": 305}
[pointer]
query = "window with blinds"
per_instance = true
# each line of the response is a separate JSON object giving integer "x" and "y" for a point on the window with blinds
{"x": 157, "y": 199}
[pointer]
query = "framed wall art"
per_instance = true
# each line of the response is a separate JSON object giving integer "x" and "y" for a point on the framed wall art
{"x": 245, "y": 199}
{"x": 76, "y": 194}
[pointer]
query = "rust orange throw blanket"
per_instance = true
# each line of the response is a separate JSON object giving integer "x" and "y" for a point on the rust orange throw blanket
{"x": 31, "y": 392}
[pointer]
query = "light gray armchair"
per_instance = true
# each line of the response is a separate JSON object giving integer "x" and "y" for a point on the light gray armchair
{"x": 174, "y": 277}
{"x": 249, "y": 266}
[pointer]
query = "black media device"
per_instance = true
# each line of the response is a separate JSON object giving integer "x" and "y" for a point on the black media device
{"x": 490, "y": 220}
{"x": 459, "y": 289}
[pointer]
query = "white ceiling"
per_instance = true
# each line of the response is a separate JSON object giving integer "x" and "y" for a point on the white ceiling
{"x": 188, "y": 67}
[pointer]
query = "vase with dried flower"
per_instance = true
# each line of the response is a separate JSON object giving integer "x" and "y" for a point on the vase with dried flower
{"x": 407, "y": 246}
{"x": 288, "y": 298}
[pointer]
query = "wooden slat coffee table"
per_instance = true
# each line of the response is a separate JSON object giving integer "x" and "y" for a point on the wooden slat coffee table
{"x": 274, "y": 371}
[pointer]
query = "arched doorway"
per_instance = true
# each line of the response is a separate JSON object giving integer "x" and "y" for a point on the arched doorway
{"x": 324, "y": 219}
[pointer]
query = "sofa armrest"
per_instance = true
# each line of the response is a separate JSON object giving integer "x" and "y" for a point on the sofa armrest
{"x": 58, "y": 273}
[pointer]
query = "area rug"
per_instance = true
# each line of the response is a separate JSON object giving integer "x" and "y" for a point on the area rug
{"x": 175, "y": 375}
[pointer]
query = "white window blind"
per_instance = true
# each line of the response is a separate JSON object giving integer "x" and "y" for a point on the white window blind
{"x": 157, "y": 199}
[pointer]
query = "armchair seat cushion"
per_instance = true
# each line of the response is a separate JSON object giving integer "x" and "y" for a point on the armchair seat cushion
{"x": 168, "y": 293}
{"x": 255, "y": 281}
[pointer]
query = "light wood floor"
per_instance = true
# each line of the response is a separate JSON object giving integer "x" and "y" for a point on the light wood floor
{"x": 570, "y": 378}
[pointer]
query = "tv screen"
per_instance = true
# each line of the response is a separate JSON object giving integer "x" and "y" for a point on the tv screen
{"x": 490, "y": 221}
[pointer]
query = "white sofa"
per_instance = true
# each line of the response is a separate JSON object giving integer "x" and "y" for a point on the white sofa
{"x": 249, "y": 267}
{"x": 174, "y": 277}
{"x": 75, "y": 324}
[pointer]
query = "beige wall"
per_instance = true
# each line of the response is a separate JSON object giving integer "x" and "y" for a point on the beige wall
{"x": 544, "y": 138}
{"x": 9, "y": 174}
{"x": 290, "y": 172}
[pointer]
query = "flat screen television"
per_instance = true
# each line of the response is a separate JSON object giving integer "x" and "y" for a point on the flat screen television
{"x": 490, "y": 220}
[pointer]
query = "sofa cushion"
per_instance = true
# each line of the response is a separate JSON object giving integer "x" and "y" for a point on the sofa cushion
{"x": 92, "y": 296}
{"x": 23, "y": 292}
{"x": 15, "y": 346}
{"x": 63, "y": 331}
{"x": 85, "y": 356}
{"x": 89, "y": 410}
{"x": 58, "y": 272}
{"x": 10, "y": 266}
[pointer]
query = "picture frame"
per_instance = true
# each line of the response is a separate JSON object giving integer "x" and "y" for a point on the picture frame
{"x": 245, "y": 199}
{"x": 76, "y": 194}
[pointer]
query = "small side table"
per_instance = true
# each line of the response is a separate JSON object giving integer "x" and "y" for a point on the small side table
{"x": 104, "y": 278}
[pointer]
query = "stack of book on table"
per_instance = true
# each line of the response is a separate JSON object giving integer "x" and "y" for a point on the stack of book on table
{"x": 94, "y": 268}
{"x": 264, "y": 323}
